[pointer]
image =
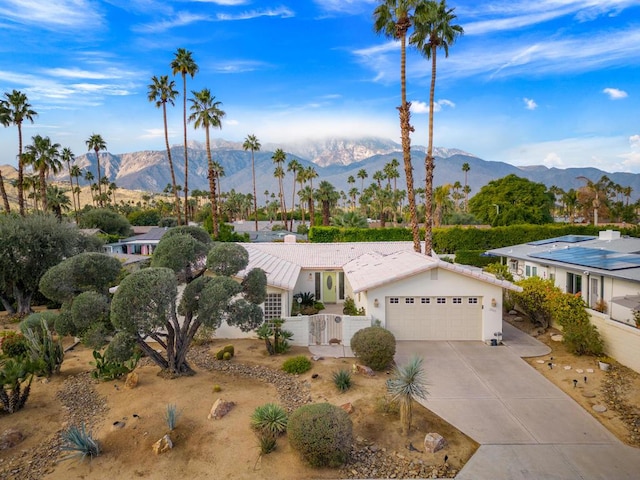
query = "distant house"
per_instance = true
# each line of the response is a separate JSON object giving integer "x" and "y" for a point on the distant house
{"x": 414, "y": 296}
{"x": 143, "y": 244}
{"x": 604, "y": 270}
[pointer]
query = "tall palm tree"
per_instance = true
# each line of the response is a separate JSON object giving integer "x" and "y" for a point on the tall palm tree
{"x": 68, "y": 157}
{"x": 15, "y": 108}
{"x": 184, "y": 64}
{"x": 328, "y": 196}
{"x": 4, "y": 120}
{"x": 311, "y": 173}
{"x": 96, "y": 143}
{"x": 362, "y": 174}
{"x": 76, "y": 173}
{"x": 162, "y": 91}
{"x": 57, "y": 200}
{"x": 393, "y": 19}
{"x": 206, "y": 113}
{"x": 45, "y": 158}
{"x": 465, "y": 169}
{"x": 294, "y": 167}
{"x": 88, "y": 176}
{"x": 252, "y": 143}
{"x": 218, "y": 172}
{"x": 279, "y": 157}
{"x": 406, "y": 385}
{"x": 441, "y": 200}
{"x": 433, "y": 29}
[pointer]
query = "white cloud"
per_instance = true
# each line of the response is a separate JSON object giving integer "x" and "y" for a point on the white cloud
{"x": 614, "y": 93}
{"x": 346, "y": 6}
{"x": 239, "y": 66}
{"x": 552, "y": 160}
{"x": 282, "y": 12}
{"x": 419, "y": 107}
{"x": 182, "y": 19}
{"x": 52, "y": 14}
{"x": 529, "y": 103}
{"x": 634, "y": 141}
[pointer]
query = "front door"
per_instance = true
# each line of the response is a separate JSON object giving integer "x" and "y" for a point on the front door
{"x": 329, "y": 287}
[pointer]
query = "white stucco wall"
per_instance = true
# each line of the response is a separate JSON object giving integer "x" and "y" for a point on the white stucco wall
{"x": 442, "y": 283}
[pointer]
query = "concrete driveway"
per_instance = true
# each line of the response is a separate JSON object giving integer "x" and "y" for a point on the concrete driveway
{"x": 526, "y": 426}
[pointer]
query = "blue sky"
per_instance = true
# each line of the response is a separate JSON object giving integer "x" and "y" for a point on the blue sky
{"x": 545, "y": 82}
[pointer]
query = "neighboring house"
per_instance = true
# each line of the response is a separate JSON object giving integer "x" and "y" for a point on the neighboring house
{"x": 604, "y": 270}
{"x": 143, "y": 244}
{"x": 414, "y": 296}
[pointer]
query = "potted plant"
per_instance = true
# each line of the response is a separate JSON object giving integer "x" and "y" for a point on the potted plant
{"x": 605, "y": 363}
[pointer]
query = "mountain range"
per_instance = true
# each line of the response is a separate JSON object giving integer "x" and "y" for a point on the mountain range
{"x": 334, "y": 159}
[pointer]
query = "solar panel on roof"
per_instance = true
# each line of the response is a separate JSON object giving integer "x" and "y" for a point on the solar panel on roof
{"x": 564, "y": 239}
{"x": 591, "y": 257}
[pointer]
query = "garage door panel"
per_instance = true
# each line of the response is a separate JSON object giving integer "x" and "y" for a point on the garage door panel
{"x": 434, "y": 318}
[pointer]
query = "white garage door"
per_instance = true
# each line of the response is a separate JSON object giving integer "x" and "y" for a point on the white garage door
{"x": 434, "y": 318}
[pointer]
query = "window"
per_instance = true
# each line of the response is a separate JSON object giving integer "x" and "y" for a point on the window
{"x": 273, "y": 306}
{"x": 527, "y": 270}
{"x": 574, "y": 283}
{"x": 394, "y": 300}
{"x": 552, "y": 276}
{"x": 457, "y": 300}
{"x": 534, "y": 271}
{"x": 425, "y": 300}
{"x": 441, "y": 300}
{"x": 513, "y": 265}
{"x": 473, "y": 300}
{"x": 341, "y": 285}
{"x": 408, "y": 300}
{"x": 318, "y": 280}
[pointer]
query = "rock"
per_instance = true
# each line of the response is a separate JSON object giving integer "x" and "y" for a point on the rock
{"x": 599, "y": 408}
{"x": 518, "y": 319}
{"x": 220, "y": 408}
{"x": 513, "y": 312}
{"x": 567, "y": 367}
{"x": 347, "y": 407}
{"x": 10, "y": 438}
{"x": 364, "y": 370}
{"x": 316, "y": 358}
{"x": 579, "y": 370}
{"x": 117, "y": 425}
{"x": 557, "y": 338}
{"x": 588, "y": 394}
{"x": 589, "y": 370}
{"x": 163, "y": 445}
{"x": 434, "y": 442}
{"x": 131, "y": 381}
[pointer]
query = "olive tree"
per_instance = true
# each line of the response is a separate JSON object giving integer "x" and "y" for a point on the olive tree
{"x": 146, "y": 304}
{"x": 29, "y": 246}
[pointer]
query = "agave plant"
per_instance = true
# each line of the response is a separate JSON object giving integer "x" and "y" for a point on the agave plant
{"x": 407, "y": 384}
{"x": 171, "y": 416}
{"x": 16, "y": 376}
{"x": 80, "y": 442}
{"x": 269, "y": 417}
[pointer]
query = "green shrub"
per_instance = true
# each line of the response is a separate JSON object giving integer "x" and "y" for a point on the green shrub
{"x": 374, "y": 347}
{"x": 225, "y": 353}
{"x": 342, "y": 380}
{"x": 79, "y": 441}
{"x": 16, "y": 375}
{"x": 111, "y": 369}
{"x": 349, "y": 308}
{"x": 35, "y": 321}
{"x": 14, "y": 344}
{"x": 226, "y": 356}
{"x": 266, "y": 441}
{"x": 95, "y": 336}
{"x": 322, "y": 433}
{"x": 121, "y": 348}
{"x": 63, "y": 324}
{"x": 474, "y": 258}
{"x": 297, "y": 365}
{"x": 270, "y": 417}
{"x": 44, "y": 350}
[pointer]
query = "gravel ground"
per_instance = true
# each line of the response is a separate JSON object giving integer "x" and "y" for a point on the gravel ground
{"x": 614, "y": 388}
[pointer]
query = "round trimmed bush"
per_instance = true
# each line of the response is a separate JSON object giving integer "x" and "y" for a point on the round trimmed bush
{"x": 297, "y": 365}
{"x": 14, "y": 344}
{"x": 89, "y": 308}
{"x": 322, "y": 433}
{"x": 374, "y": 347}
{"x": 121, "y": 348}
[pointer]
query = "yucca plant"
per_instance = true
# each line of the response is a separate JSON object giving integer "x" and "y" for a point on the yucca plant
{"x": 16, "y": 376}
{"x": 266, "y": 441}
{"x": 271, "y": 418}
{"x": 342, "y": 380}
{"x": 80, "y": 442}
{"x": 171, "y": 416}
{"x": 407, "y": 384}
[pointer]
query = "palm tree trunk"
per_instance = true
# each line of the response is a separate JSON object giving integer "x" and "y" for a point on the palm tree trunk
{"x": 406, "y": 129}
{"x": 73, "y": 197}
{"x": 429, "y": 164}
{"x": 5, "y": 199}
{"x": 212, "y": 189}
{"x": 43, "y": 190}
{"x": 186, "y": 154}
{"x": 173, "y": 173}
{"x": 255, "y": 198}
{"x": 293, "y": 201}
{"x": 99, "y": 177}
{"x": 20, "y": 174}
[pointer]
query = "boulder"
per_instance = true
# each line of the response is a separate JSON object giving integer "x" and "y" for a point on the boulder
{"x": 220, "y": 408}
{"x": 434, "y": 442}
{"x": 131, "y": 381}
{"x": 347, "y": 407}
{"x": 364, "y": 370}
{"x": 10, "y": 438}
{"x": 163, "y": 445}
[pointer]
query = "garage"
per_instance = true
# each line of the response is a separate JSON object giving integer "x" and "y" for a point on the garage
{"x": 434, "y": 318}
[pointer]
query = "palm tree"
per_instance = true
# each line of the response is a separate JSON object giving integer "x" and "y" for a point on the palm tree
{"x": 68, "y": 157}
{"x": 15, "y": 109}
{"x": 162, "y": 91}
{"x": 279, "y": 157}
{"x": 433, "y": 30}
{"x": 45, "y": 158}
{"x": 362, "y": 174}
{"x": 311, "y": 173}
{"x": 252, "y": 143}
{"x": 57, "y": 200}
{"x": 30, "y": 182}
{"x": 406, "y": 385}
{"x": 393, "y": 18}
{"x": 97, "y": 143}
{"x": 391, "y": 172}
{"x": 328, "y": 196}
{"x": 184, "y": 64}
{"x": 206, "y": 113}
{"x": 88, "y": 176}
{"x": 218, "y": 171}
{"x": 76, "y": 173}
{"x": 441, "y": 199}
{"x": 294, "y": 167}
{"x": 465, "y": 169}
{"x": 349, "y": 220}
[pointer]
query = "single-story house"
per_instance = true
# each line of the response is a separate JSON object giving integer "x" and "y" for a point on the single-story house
{"x": 414, "y": 296}
{"x": 143, "y": 244}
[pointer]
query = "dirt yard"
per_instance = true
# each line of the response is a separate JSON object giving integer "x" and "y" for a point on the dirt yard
{"x": 127, "y": 422}
{"x": 618, "y": 389}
